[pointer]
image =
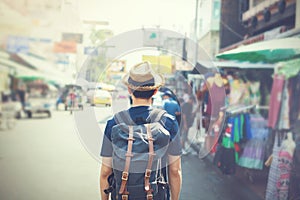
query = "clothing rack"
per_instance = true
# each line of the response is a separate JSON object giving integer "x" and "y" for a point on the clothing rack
{"x": 239, "y": 109}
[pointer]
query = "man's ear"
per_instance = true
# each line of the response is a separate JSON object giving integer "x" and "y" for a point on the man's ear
{"x": 129, "y": 90}
{"x": 155, "y": 91}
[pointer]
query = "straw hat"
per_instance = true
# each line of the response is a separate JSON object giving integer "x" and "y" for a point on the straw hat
{"x": 141, "y": 77}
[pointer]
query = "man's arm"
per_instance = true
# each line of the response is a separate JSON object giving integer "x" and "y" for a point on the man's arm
{"x": 175, "y": 177}
{"x": 105, "y": 171}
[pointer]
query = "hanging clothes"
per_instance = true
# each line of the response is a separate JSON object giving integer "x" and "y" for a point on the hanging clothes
{"x": 274, "y": 173}
{"x": 284, "y": 116}
{"x": 275, "y": 100}
{"x": 254, "y": 90}
{"x": 294, "y": 188}
{"x": 285, "y": 161}
{"x": 216, "y": 100}
{"x": 294, "y": 84}
{"x": 253, "y": 155}
{"x": 281, "y": 168}
{"x": 254, "y": 152}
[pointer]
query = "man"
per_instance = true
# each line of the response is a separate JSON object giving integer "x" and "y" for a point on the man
{"x": 171, "y": 106}
{"x": 142, "y": 84}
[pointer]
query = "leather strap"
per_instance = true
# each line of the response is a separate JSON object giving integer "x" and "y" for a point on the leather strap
{"x": 155, "y": 115}
{"x": 150, "y": 161}
{"x": 128, "y": 155}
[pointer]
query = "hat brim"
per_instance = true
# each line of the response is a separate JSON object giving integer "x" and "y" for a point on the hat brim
{"x": 158, "y": 82}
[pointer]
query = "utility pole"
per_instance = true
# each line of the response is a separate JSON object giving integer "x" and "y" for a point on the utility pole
{"x": 196, "y": 32}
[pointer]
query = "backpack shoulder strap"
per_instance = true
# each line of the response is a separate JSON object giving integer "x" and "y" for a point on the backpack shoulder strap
{"x": 155, "y": 115}
{"x": 123, "y": 117}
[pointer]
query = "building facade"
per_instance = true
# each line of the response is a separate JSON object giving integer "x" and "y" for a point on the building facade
{"x": 250, "y": 21}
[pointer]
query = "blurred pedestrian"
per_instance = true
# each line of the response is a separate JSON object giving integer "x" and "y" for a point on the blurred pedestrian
{"x": 171, "y": 105}
{"x": 22, "y": 95}
{"x": 187, "y": 113}
{"x": 72, "y": 96}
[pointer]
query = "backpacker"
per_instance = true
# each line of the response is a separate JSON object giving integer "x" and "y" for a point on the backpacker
{"x": 137, "y": 156}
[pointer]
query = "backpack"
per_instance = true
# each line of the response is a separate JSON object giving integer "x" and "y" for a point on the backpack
{"x": 137, "y": 156}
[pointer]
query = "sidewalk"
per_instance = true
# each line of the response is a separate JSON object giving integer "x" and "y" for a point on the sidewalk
{"x": 200, "y": 167}
{"x": 202, "y": 180}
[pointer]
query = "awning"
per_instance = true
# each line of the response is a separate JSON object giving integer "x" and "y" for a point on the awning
{"x": 19, "y": 70}
{"x": 45, "y": 67}
{"x": 289, "y": 68}
{"x": 205, "y": 66}
{"x": 270, "y": 51}
{"x": 243, "y": 65}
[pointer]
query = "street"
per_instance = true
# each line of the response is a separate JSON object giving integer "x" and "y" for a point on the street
{"x": 46, "y": 159}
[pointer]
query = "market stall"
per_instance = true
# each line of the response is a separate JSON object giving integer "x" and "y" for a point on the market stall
{"x": 282, "y": 142}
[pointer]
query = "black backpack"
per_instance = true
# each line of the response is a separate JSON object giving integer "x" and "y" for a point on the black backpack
{"x": 137, "y": 156}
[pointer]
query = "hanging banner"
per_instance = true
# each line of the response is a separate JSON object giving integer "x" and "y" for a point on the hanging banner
{"x": 72, "y": 37}
{"x": 65, "y": 47}
{"x": 161, "y": 64}
{"x": 17, "y": 44}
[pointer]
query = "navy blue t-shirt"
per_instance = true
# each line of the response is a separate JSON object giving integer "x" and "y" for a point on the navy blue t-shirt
{"x": 139, "y": 115}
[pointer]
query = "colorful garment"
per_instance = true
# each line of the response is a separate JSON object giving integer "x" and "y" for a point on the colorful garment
{"x": 275, "y": 100}
{"x": 254, "y": 90}
{"x": 284, "y": 116}
{"x": 285, "y": 161}
{"x": 253, "y": 154}
{"x": 274, "y": 173}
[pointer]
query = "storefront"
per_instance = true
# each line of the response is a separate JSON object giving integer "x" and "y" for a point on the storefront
{"x": 284, "y": 124}
{"x": 259, "y": 134}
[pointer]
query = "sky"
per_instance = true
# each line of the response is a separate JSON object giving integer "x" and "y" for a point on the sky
{"x": 125, "y": 15}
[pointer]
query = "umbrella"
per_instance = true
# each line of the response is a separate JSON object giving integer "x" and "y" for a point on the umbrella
{"x": 269, "y": 51}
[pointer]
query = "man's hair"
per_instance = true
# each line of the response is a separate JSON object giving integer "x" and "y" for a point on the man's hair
{"x": 142, "y": 94}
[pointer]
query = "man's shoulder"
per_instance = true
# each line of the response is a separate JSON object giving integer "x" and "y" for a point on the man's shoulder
{"x": 111, "y": 121}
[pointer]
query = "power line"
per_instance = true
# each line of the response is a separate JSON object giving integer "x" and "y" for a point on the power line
{"x": 231, "y": 30}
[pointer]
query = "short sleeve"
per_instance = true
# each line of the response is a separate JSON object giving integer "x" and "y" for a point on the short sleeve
{"x": 107, "y": 149}
{"x": 172, "y": 126}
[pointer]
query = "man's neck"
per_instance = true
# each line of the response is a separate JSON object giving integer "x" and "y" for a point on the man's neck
{"x": 141, "y": 102}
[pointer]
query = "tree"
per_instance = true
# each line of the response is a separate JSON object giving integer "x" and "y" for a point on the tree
{"x": 98, "y": 62}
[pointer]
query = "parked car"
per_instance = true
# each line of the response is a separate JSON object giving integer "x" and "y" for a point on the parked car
{"x": 40, "y": 98}
{"x": 99, "y": 97}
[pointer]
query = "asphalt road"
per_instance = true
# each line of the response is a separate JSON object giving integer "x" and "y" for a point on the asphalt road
{"x": 56, "y": 158}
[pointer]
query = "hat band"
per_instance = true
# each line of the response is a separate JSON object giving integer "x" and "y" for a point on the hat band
{"x": 141, "y": 84}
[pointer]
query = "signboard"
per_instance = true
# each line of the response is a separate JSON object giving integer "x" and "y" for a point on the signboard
{"x": 72, "y": 37}
{"x": 117, "y": 66}
{"x": 116, "y": 70}
{"x": 17, "y": 44}
{"x": 152, "y": 38}
{"x": 92, "y": 51}
{"x": 161, "y": 64}
{"x": 65, "y": 47}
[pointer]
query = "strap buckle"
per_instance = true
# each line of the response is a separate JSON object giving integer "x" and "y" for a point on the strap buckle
{"x": 148, "y": 173}
{"x": 124, "y": 176}
{"x": 149, "y": 196}
{"x": 124, "y": 196}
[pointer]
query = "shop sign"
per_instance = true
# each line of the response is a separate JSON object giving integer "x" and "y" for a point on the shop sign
{"x": 17, "y": 44}
{"x": 92, "y": 51}
{"x": 65, "y": 47}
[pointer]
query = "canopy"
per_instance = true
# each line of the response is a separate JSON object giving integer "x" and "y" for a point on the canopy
{"x": 289, "y": 68}
{"x": 21, "y": 71}
{"x": 269, "y": 51}
{"x": 45, "y": 67}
